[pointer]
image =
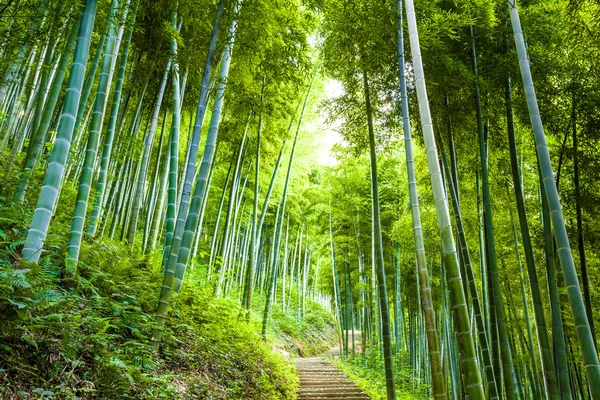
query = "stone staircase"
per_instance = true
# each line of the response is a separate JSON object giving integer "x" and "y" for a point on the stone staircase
{"x": 321, "y": 380}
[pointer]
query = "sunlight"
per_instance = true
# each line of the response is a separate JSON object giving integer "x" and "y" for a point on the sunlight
{"x": 328, "y": 134}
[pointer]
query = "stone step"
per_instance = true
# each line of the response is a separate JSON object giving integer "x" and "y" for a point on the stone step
{"x": 326, "y": 383}
{"x": 322, "y": 386}
{"x": 321, "y": 380}
{"x": 331, "y": 395}
{"x": 330, "y": 389}
{"x": 345, "y": 397}
{"x": 318, "y": 369}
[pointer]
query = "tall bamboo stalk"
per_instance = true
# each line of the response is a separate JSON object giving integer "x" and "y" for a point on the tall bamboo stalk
{"x": 507, "y": 368}
{"x": 437, "y": 372}
{"x": 55, "y": 171}
{"x": 379, "y": 260}
{"x": 491, "y": 378}
{"x": 174, "y": 277}
{"x": 112, "y": 125}
{"x": 39, "y": 135}
{"x": 463, "y": 325}
{"x": 548, "y": 368}
{"x": 253, "y": 235}
{"x": 582, "y": 325}
{"x": 173, "y": 149}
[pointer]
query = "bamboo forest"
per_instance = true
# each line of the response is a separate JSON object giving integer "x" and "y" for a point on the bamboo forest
{"x": 299, "y": 199}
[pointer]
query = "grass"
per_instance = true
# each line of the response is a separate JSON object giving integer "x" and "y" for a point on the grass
{"x": 370, "y": 378}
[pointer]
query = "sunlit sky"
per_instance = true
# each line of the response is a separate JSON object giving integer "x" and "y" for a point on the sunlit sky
{"x": 327, "y": 136}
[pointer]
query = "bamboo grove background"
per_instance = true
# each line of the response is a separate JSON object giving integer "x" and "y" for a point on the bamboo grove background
{"x": 455, "y": 228}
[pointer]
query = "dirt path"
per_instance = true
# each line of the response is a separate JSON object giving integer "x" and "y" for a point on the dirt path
{"x": 321, "y": 380}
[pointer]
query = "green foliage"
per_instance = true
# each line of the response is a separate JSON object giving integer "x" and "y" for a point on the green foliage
{"x": 306, "y": 337}
{"x": 89, "y": 336}
{"x": 371, "y": 378}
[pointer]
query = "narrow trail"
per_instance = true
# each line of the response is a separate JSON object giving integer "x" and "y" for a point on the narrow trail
{"x": 321, "y": 380}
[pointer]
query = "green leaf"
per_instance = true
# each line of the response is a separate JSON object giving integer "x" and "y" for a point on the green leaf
{"x": 17, "y": 303}
{"x": 21, "y": 271}
{"x": 30, "y": 340}
{"x": 43, "y": 392}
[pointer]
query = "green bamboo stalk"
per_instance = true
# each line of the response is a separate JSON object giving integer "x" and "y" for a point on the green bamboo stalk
{"x": 558, "y": 333}
{"x": 254, "y": 234}
{"x": 23, "y": 51}
{"x": 346, "y": 311}
{"x": 160, "y": 197}
{"x": 491, "y": 378}
{"x": 507, "y": 366}
{"x": 272, "y": 279}
{"x": 54, "y": 174}
{"x": 230, "y": 209}
{"x": 265, "y": 206}
{"x": 85, "y": 182}
{"x": 122, "y": 192}
{"x": 174, "y": 278}
{"x": 300, "y": 274}
{"x": 45, "y": 84}
{"x": 37, "y": 140}
{"x": 580, "y": 242}
{"x": 128, "y": 200}
{"x": 548, "y": 369}
{"x": 270, "y": 294}
{"x": 90, "y": 78}
{"x": 209, "y": 152}
{"x": 154, "y": 189}
{"x": 363, "y": 300}
{"x": 437, "y": 373}
{"x": 379, "y": 260}
{"x": 192, "y": 154}
{"x": 374, "y": 320}
{"x": 214, "y": 241}
{"x": 463, "y": 326}
{"x": 88, "y": 85}
{"x": 20, "y": 127}
{"x": 582, "y": 326}
{"x": 397, "y": 309}
{"x": 336, "y": 281}
{"x": 205, "y": 201}
{"x": 112, "y": 125}
{"x": 447, "y": 334}
{"x": 530, "y": 347}
{"x": 171, "y": 215}
{"x": 351, "y": 308}
{"x": 9, "y": 29}
{"x": 113, "y": 195}
{"x": 293, "y": 269}
{"x": 285, "y": 265}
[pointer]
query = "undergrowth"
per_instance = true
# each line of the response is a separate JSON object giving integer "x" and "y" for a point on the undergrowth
{"x": 89, "y": 335}
{"x": 309, "y": 336}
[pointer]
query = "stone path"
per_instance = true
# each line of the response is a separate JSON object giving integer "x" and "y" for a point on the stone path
{"x": 321, "y": 380}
